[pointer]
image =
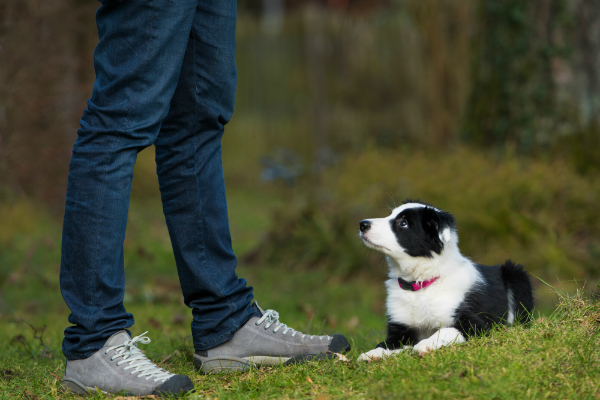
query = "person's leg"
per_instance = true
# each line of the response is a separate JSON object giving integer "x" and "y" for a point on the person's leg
{"x": 137, "y": 61}
{"x": 228, "y": 333}
{"x": 188, "y": 158}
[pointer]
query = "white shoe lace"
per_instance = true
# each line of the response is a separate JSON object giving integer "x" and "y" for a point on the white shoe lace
{"x": 137, "y": 360}
{"x": 272, "y": 317}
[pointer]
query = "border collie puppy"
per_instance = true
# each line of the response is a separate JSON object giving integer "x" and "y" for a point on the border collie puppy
{"x": 435, "y": 295}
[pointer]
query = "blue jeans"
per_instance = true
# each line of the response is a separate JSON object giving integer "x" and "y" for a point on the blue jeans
{"x": 165, "y": 75}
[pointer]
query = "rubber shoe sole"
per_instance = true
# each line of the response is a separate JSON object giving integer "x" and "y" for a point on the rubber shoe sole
{"x": 217, "y": 365}
{"x": 304, "y": 358}
{"x": 74, "y": 386}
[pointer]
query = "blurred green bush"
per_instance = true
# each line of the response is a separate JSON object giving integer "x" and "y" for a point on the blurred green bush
{"x": 542, "y": 215}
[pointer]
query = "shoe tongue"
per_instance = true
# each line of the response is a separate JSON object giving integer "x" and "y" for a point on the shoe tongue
{"x": 257, "y": 308}
{"x": 117, "y": 339}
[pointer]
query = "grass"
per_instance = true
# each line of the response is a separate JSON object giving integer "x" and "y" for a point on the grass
{"x": 556, "y": 357}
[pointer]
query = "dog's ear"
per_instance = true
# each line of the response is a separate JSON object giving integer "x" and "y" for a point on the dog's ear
{"x": 438, "y": 226}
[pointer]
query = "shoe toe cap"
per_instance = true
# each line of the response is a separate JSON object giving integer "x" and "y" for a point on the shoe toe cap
{"x": 175, "y": 385}
{"x": 339, "y": 344}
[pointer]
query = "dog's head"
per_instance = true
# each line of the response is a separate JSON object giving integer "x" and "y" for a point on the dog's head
{"x": 414, "y": 229}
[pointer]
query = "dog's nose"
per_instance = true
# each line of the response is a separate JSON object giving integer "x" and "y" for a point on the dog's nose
{"x": 365, "y": 225}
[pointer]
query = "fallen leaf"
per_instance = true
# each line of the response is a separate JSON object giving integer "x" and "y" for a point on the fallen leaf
{"x": 154, "y": 323}
{"x": 178, "y": 319}
{"x": 30, "y": 396}
{"x": 309, "y": 380}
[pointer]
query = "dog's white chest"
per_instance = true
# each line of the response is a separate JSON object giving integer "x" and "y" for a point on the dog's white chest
{"x": 426, "y": 309}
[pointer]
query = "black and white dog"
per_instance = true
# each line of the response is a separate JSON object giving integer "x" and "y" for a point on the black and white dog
{"x": 435, "y": 295}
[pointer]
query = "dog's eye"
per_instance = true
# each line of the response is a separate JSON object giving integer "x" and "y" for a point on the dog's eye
{"x": 402, "y": 223}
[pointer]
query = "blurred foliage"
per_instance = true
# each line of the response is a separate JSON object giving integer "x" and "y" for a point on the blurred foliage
{"x": 534, "y": 78}
{"x": 416, "y": 73}
{"x": 543, "y": 215}
{"x": 396, "y": 77}
{"x": 46, "y": 74}
{"x": 581, "y": 149}
{"x": 326, "y": 80}
{"x": 513, "y": 97}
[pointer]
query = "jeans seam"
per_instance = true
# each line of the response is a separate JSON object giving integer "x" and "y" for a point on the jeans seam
{"x": 231, "y": 306}
{"x": 195, "y": 152}
{"x": 214, "y": 154}
{"x": 116, "y": 141}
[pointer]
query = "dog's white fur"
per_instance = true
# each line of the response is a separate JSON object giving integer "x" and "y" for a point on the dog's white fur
{"x": 431, "y": 309}
{"x": 441, "y": 338}
{"x": 511, "y": 307}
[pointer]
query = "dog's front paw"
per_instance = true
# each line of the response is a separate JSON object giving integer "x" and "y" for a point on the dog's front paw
{"x": 441, "y": 338}
{"x": 373, "y": 355}
{"x": 425, "y": 346}
{"x": 379, "y": 354}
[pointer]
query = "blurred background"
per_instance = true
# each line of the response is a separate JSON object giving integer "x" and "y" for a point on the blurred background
{"x": 489, "y": 109}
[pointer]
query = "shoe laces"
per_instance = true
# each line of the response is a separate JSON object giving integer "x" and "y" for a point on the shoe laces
{"x": 137, "y": 360}
{"x": 272, "y": 317}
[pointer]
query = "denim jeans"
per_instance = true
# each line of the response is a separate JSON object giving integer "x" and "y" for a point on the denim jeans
{"x": 165, "y": 75}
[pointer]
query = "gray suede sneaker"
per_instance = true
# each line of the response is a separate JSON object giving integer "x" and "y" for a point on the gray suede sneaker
{"x": 266, "y": 341}
{"x": 120, "y": 367}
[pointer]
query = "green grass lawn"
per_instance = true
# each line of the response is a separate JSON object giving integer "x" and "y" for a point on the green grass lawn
{"x": 556, "y": 357}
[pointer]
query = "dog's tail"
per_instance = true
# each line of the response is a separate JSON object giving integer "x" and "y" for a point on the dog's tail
{"x": 520, "y": 293}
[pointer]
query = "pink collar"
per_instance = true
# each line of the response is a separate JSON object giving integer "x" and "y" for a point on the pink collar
{"x": 414, "y": 286}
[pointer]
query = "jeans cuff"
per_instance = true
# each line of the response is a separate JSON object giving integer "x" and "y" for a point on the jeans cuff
{"x": 200, "y": 346}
